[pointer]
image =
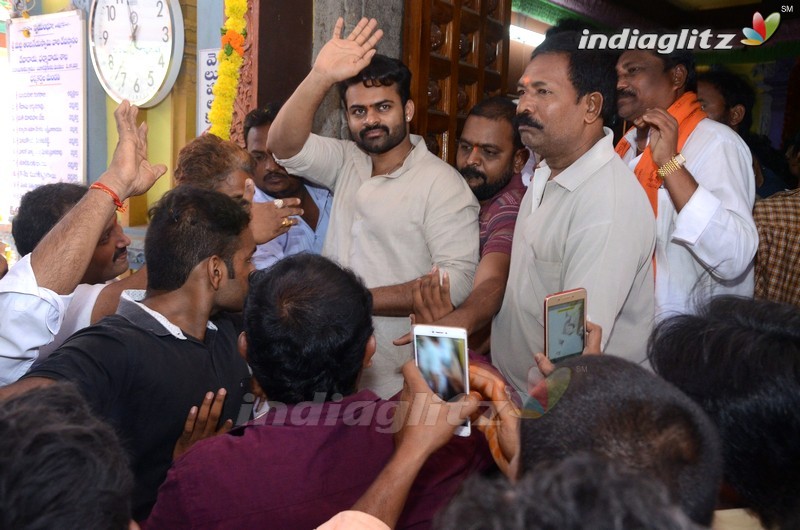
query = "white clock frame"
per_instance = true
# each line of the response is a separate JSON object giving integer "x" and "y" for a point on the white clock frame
{"x": 127, "y": 48}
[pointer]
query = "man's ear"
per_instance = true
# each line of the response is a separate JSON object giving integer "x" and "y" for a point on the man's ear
{"x": 216, "y": 270}
{"x": 369, "y": 351}
{"x": 409, "y": 110}
{"x": 679, "y": 77}
{"x": 520, "y": 159}
{"x": 594, "y": 106}
{"x": 241, "y": 344}
{"x": 255, "y": 387}
{"x": 736, "y": 115}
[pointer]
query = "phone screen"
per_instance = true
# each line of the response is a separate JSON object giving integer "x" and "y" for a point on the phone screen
{"x": 441, "y": 361}
{"x": 566, "y": 329}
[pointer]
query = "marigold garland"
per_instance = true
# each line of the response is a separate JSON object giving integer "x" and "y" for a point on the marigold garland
{"x": 231, "y": 56}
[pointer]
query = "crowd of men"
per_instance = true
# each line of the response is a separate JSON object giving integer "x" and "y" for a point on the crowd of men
{"x": 258, "y": 371}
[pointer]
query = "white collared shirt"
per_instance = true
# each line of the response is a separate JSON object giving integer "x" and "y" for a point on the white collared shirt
{"x": 591, "y": 226}
{"x": 708, "y": 248}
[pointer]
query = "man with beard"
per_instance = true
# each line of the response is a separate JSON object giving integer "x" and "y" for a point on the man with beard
{"x": 397, "y": 210}
{"x": 490, "y": 157}
{"x": 698, "y": 175}
{"x": 584, "y": 221}
{"x": 273, "y": 182}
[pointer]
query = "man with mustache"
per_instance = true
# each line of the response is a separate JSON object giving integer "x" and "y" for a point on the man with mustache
{"x": 583, "y": 222}
{"x": 397, "y": 210}
{"x": 490, "y": 156}
{"x": 698, "y": 175}
{"x": 274, "y": 182}
{"x": 170, "y": 345}
{"x": 39, "y": 211}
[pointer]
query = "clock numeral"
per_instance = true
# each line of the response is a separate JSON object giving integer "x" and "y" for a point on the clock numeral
{"x": 105, "y": 38}
{"x": 136, "y": 85}
{"x": 160, "y": 5}
{"x": 165, "y": 34}
{"x": 134, "y": 17}
{"x": 111, "y": 62}
{"x": 161, "y": 61}
{"x": 112, "y": 13}
{"x": 150, "y": 79}
{"x": 124, "y": 76}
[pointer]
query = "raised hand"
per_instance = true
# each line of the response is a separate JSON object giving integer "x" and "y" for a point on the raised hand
{"x": 663, "y": 134}
{"x": 130, "y": 173}
{"x": 269, "y": 220}
{"x": 342, "y": 58}
{"x": 431, "y": 297}
{"x": 202, "y": 423}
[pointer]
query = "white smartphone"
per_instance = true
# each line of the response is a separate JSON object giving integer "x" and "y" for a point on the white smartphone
{"x": 565, "y": 324}
{"x": 441, "y": 355}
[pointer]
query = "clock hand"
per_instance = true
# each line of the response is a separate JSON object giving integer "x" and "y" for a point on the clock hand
{"x": 132, "y": 36}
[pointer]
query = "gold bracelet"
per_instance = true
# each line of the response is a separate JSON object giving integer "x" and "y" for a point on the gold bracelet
{"x": 674, "y": 164}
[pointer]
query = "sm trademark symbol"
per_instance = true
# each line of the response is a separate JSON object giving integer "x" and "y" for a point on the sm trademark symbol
{"x": 787, "y": 9}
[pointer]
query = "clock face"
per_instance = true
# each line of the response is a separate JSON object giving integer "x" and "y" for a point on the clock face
{"x": 136, "y": 48}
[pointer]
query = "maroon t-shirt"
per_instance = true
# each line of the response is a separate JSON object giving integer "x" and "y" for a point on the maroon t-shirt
{"x": 300, "y": 465}
{"x": 498, "y": 216}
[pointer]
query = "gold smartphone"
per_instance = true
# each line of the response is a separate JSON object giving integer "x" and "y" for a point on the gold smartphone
{"x": 565, "y": 324}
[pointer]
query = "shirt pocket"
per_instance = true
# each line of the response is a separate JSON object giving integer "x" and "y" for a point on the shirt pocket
{"x": 545, "y": 279}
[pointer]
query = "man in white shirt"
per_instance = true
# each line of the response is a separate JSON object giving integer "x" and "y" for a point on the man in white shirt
{"x": 40, "y": 209}
{"x": 698, "y": 175}
{"x": 397, "y": 210}
{"x": 584, "y": 221}
{"x": 36, "y": 291}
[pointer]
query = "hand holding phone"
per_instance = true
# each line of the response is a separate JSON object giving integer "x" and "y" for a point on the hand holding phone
{"x": 441, "y": 355}
{"x": 565, "y": 324}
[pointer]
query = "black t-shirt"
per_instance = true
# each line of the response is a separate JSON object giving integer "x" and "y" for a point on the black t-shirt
{"x": 143, "y": 380}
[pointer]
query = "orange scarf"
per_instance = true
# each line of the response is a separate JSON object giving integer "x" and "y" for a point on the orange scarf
{"x": 688, "y": 112}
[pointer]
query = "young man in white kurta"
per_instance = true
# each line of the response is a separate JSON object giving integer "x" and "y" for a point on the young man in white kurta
{"x": 397, "y": 209}
{"x": 392, "y": 228}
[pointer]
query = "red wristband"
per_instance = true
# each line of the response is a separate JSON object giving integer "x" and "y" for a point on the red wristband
{"x": 102, "y": 187}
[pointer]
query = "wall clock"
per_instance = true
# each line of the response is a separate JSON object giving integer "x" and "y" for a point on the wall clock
{"x": 136, "y": 48}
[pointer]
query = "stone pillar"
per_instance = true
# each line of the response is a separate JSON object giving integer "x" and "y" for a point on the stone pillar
{"x": 329, "y": 120}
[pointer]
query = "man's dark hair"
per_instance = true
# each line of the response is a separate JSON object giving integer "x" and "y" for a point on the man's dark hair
{"x": 60, "y": 467}
{"x": 498, "y": 108}
{"x": 187, "y": 226}
{"x": 740, "y": 360}
{"x": 382, "y": 71}
{"x": 207, "y": 160}
{"x": 261, "y": 116}
{"x": 307, "y": 321}
{"x": 616, "y": 409}
{"x": 735, "y": 90}
{"x": 589, "y": 70}
{"x": 40, "y": 210}
{"x": 581, "y": 491}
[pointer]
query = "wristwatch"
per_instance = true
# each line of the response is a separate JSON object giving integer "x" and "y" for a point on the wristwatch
{"x": 674, "y": 164}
